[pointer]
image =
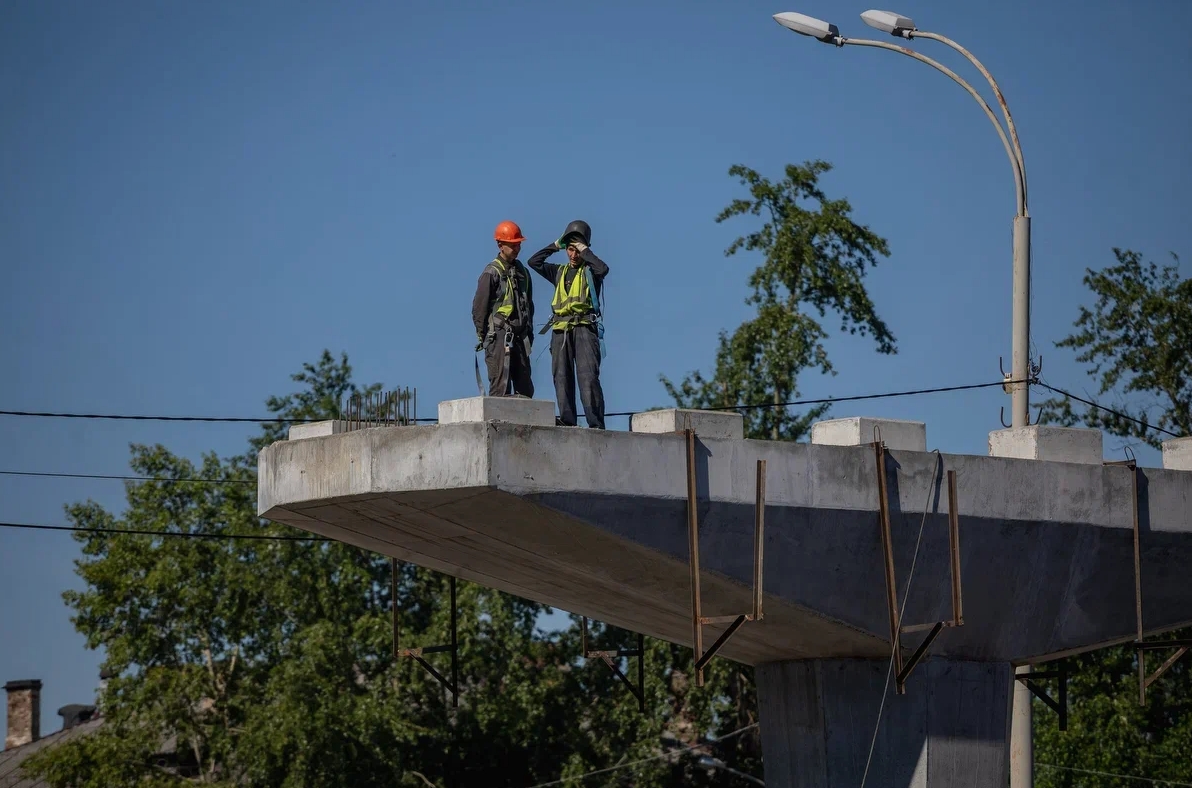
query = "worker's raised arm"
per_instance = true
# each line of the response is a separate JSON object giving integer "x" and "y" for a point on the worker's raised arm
{"x": 486, "y": 292}
{"x": 537, "y": 261}
{"x": 598, "y": 266}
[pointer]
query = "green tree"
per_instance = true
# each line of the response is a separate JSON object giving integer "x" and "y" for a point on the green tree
{"x": 815, "y": 259}
{"x": 1137, "y": 342}
{"x": 269, "y": 663}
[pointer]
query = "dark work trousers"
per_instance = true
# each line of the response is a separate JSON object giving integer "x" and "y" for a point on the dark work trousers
{"x": 576, "y": 354}
{"x": 519, "y": 367}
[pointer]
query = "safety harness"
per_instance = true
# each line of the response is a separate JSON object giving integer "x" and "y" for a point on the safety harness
{"x": 576, "y": 305}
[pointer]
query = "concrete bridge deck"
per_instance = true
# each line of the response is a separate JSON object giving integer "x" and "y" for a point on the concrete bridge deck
{"x": 594, "y": 522}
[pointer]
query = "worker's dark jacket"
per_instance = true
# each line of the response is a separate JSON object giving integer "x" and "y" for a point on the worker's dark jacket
{"x": 490, "y": 290}
{"x": 550, "y": 271}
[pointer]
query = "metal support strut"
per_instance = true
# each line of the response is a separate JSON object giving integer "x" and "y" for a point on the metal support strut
{"x": 897, "y": 630}
{"x": 1140, "y": 643}
{"x": 638, "y": 691}
{"x": 1059, "y": 706}
{"x": 698, "y": 619}
{"x": 417, "y": 654}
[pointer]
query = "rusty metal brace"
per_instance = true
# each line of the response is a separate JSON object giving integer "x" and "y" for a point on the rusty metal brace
{"x": 698, "y": 619}
{"x": 1141, "y": 645}
{"x": 638, "y": 691}
{"x": 1059, "y": 706}
{"x": 417, "y": 654}
{"x": 903, "y": 671}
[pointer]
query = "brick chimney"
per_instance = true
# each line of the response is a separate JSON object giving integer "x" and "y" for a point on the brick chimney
{"x": 24, "y": 712}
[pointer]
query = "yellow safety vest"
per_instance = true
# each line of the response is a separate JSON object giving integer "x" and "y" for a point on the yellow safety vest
{"x": 515, "y": 284}
{"x": 572, "y": 305}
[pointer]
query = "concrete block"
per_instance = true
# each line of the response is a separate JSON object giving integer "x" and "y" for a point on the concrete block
{"x": 1177, "y": 454}
{"x": 317, "y": 429}
{"x": 513, "y": 410}
{"x": 858, "y": 430}
{"x": 1054, "y": 444}
{"x": 706, "y": 423}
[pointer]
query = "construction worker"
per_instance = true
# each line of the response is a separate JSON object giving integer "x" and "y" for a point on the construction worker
{"x": 577, "y": 341}
{"x": 503, "y": 314}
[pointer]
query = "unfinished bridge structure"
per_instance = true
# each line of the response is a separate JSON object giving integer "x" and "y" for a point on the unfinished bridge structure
{"x": 794, "y": 558}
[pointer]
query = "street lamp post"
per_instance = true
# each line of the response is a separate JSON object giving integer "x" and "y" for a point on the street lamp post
{"x": 1021, "y": 746}
{"x": 903, "y": 27}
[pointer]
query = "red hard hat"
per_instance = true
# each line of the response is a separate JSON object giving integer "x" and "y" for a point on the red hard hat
{"x": 509, "y": 232}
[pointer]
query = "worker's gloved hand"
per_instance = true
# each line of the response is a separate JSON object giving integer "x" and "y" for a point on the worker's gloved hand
{"x": 559, "y": 244}
{"x": 579, "y": 245}
{"x": 479, "y": 344}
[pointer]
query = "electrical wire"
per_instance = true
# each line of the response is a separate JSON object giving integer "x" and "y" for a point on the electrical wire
{"x": 179, "y": 479}
{"x": 1111, "y": 411}
{"x": 1119, "y": 776}
{"x": 852, "y": 398}
{"x": 659, "y": 757}
{"x": 181, "y": 534}
{"x": 280, "y": 420}
{"x": 897, "y": 634}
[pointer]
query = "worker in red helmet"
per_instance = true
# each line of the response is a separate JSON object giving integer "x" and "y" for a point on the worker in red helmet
{"x": 503, "y": 315}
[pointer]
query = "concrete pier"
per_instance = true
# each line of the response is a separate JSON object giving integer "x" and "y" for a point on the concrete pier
{"x": 818, "y": 719}
{"x": 595, "y": 522}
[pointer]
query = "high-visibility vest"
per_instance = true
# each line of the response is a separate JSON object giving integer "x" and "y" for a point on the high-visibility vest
{"x": 513, "y": 294}
{"x": 573, "y": 305}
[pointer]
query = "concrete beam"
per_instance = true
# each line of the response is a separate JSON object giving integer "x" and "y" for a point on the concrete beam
{"x": 705, "y": 423}
{"x": 819, "y": 717}
{"x": 1052, "y": 444}
{"x": 898, "y": 435}
{"x": 316, "y": 429}
{"x": 512, "y": 410}
{"x": 1177, "y": 454}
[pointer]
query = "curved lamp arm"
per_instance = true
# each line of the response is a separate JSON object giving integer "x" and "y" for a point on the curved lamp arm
{"x": 1001, "y": 99}
{"x": 1015, "y": 160}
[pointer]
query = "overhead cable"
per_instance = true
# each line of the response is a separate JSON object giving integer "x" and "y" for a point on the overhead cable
{"x": 180, "y": 534}
{"x": 280, "y": 420}
{"x": 1111, "y": 411}
{"x": 174, "y": 479}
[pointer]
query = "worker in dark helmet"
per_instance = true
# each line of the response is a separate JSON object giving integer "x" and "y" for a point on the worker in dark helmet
{"x": 503, "y": 314}
{"x": 576, "y": 323}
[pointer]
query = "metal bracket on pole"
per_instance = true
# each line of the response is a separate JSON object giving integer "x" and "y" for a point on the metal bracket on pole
{"x": 1141, "y": 645}
{"x": 638, "y": 691}
{"x": 417, "y": 654}
{"x": 897, "y": 630}
{"x": 1059, "y": 706}
{"x": 698, "y": 619}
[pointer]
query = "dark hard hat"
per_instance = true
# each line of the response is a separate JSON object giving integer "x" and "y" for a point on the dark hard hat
{"x": 580, "y": 228}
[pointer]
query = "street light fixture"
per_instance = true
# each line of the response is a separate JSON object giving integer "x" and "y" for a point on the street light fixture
{"x": 904, "y": 27}
{"x": 889, "y": 22}
{"x": 808, "y": 26}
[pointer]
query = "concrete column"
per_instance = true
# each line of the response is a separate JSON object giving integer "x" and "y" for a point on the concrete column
{"x": 950, "y": 729}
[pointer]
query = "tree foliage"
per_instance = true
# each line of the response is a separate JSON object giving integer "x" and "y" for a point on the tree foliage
{"x": 269, "y": 663}
{"x": 1137, "y": 342}
{"x": 815, "y": 260}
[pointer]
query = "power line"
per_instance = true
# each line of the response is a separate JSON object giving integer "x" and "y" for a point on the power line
{"x": 1111, "y": 774}
{"x": 660, "y": 756}
{"x": 191, "y": 480}
{"x": 1117, "y": 413}
{"x": 281, "y": 420}
{"x": 182, "y": 534}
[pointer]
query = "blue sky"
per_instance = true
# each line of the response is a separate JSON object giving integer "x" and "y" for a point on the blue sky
{"x": 197, "y": 198}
